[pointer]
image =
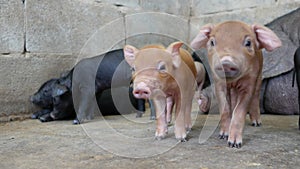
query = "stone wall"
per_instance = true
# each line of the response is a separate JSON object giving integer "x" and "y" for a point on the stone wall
{"x": 41, "y": 39}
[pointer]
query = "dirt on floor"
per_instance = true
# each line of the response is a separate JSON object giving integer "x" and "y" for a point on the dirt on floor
{"x": 128, "y": 142}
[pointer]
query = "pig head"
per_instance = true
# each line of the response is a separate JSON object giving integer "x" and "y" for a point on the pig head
{"x": 164, "y": 75}
{"x": 235, "y": 57}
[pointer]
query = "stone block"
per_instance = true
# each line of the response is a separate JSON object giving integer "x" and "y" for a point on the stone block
{"x": 201, "y": 7}
{"x": 281, "y": 9}
{"x": 11, "y": 26}
{"x": 127, "y": 3}
{"x": 64, "y": 26}
{"x": 108, "y": 37}
{"x": 287, "y": 1}
{"x": 175, "y": 7}
{"x": 159, "y": 28}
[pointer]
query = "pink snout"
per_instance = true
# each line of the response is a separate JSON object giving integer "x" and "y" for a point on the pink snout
{"x": 141, "y": 91}
{"x": 227, "y": 69}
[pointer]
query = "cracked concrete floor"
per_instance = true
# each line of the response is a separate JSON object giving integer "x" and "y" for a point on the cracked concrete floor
{"x": 127, "y": 142}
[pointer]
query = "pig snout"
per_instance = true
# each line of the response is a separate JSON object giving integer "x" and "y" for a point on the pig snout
{"x": 34, "y": 99}
{"x": 227, "y": 69}
{"x": 141, "y": 91}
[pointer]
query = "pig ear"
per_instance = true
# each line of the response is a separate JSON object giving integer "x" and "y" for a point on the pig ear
{"x": 266, "y": 38}
{"x": 129, "y": 54}
{"x": 174, "y": 50}
{"x": 59, "y": 90}
{"x": 201, "y": 39}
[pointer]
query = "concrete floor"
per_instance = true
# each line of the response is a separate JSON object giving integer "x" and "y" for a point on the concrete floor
{"x": 127, "y": 142}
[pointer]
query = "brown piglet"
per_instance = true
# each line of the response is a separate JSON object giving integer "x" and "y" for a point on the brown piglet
{"x": 235, "y": 57}
{"x": 165, "y": 76}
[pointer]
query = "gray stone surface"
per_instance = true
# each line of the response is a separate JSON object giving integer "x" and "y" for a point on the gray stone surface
{"x": 64, "y": 26}
{"x": 174, "y": 7}
{"x": 11, "y": 26}
{"x": 128, "y": 3}
{"x": 216, "y": 6}
{"x": 161, "y": 25}
{"x": 59, "y": 144}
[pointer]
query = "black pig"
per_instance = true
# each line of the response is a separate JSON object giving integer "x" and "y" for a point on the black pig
{"x": 96, "y": 74}
{"x": 92, "y": 77}
{"x": 55, "y": 99}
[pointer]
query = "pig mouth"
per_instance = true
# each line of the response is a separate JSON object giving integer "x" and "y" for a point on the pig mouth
{"x": 228, "y": 72}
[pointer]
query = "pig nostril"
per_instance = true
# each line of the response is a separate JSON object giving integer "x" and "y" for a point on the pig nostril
{"x": 141, "y": 92}
{"x": 233, "y": 69}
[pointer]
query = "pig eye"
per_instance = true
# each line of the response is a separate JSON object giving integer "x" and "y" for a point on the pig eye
{"x": 248, "y": 43}
{"x": 212, "y": 42}
{"x": 161, "y": 67}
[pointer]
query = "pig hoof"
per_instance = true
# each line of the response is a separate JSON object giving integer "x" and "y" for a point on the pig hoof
{"x": 45, "y": 118}
{"x": 139, "y": 114}
{"x": 223, "y": 136}
{"x": 152, "y": 117}
{"x": 234, "y": 144}
{"x": 34, "y": 116}
{"x": 182, "y": 140}
{"x": 256, "y": 124}
{"x": 188, "y": 129}
{"x": 76, "y": 121}
{"x": 159, "y": 137}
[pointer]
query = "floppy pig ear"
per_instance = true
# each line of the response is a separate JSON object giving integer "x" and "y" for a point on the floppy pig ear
{"x": 59, "y": 90}
{"x": 201, "y": 39}
{"x": 174, "y": 49}
{"x": 129, "y": 54}
{"x": 266, "y": 37}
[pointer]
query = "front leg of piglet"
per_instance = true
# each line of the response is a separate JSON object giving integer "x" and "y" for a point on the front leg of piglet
{"x": 188, "y": 110}
{"x": 254, "y": 106}
{"x": 224, "y": 109}
{"x": 161, "y": 123}
{"x": 238, "y": 120}
{"x": 179, "y": 127}
{"x": 170, "y": 105}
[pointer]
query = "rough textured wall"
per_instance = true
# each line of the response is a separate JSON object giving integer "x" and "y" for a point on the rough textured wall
{"x": 41, "y": 39}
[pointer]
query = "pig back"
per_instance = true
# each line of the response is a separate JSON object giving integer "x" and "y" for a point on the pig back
{"x": 188, "y": 60}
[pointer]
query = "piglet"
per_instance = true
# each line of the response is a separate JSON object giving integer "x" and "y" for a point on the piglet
{"x": 165, "y": 76}
{"x": 235, "y": 57}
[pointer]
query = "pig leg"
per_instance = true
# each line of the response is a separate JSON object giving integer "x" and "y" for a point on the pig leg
{"x": 161, "y": 123}
{"x": 141, "y": 107}
{"x": 152, "y": 110}
{"x": 87, "y": 103}
{"x": 40, "y": 113}
{"x": 187, "y": 116}
{"x": 254, "y": 107}
{"x": 204, "y": 100}
{"x": 46, "y": 118}
{"x": 170, "y": 104}
{"x": 180, "y": 131}
{"x": 224, "y": 109}
{"x": 238, "y": 118}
